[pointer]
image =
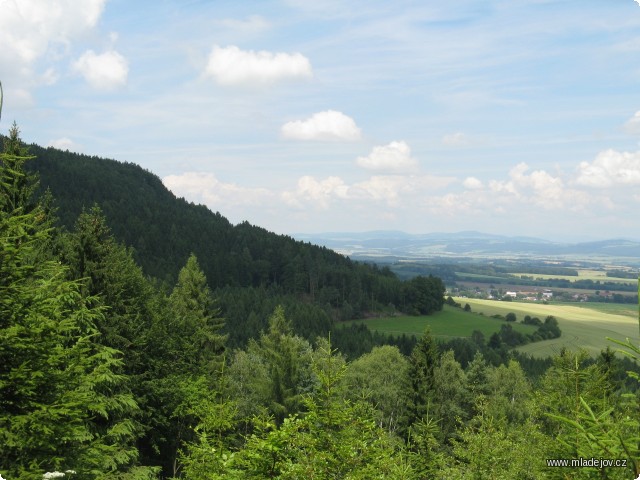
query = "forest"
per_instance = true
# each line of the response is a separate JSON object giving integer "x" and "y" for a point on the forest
{"x": 115, "y": 365}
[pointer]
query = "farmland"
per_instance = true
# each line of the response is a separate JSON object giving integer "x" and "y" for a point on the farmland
{"x": 583, "y": 274}
{"x": 583, "y": 326}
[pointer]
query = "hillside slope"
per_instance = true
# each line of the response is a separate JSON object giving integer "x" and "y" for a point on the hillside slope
{"x": 164, "y": 230}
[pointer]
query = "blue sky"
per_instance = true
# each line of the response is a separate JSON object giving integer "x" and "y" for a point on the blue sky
{"x": 518, "y": 117}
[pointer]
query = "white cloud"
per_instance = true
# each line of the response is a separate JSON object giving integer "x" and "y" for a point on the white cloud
{"x": 106, "y": 71}
{"x": 538, "y": 188}
{"x": 394, "y": 157}
{"x": 394, "y": 190}
{"x": 610, "y": 168}
{"x": 472, "y": 183}
{"x": 232, "y": 66}
{"x": 65, "y": 143}
{"x": 205, "y": 188}
{"x": 29, "y": 29}
{"x": 317, "y": 193}
{"x": 328, "y": 125}
{"x": 397, "y": 189}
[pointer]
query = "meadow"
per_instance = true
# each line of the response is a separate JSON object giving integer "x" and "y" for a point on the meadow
{"x": 448, "y": 323}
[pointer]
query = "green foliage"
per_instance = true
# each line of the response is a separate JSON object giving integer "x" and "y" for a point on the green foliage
{"x": 424, "y": 359}
{"x": 214, "y": 416}
{"x": 509, "y": 394}
{"x": 585, "y": 419}
{"x": 63, "y": 404}
{"x": 334, "y": 439}
{"x": 423, "y": 295}
{"x": 604, "y": 424}
{"x": 287, "y": 361}
{"x": 109, "y": 272}
{"x": 491, "y": 449}
{"x": 17, "y": 186}
{"x": 382, "y": 378}
{"x": 451, "y": 397}
{"x": 195, "y": 323}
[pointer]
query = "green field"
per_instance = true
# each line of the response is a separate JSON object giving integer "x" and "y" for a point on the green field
{"x": 450, "y": 322}
{"x": 583, "y": 325}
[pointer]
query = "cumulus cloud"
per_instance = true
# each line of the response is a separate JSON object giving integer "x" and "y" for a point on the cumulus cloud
{"x": 65, "y": 143}
{"x": 472, "y": 183}
{"x": 610, "y": 168}
{"x": 30, "y": 29}
{"x": 538, "y": 188}
{"x": 318, "y": 193}
{"x": 394, "y": 157}
{"x": 392, "y": 190}
{"x": 205, "y": 188}
{"x": 105, "y": 71}
{"x": 329, "y": 125}
{"x": 232, "y": 66}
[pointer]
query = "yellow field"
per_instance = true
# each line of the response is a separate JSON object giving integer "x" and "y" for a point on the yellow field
{"x": 581, "y": 327}
{"x": 583, "y": 274}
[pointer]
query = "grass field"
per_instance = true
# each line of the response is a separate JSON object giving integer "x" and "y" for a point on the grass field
{"x": 583, "y": 325}
{"x": 450, "y": 322}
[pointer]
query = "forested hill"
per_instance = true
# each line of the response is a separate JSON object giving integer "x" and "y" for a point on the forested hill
{"x": 164, "y": 230}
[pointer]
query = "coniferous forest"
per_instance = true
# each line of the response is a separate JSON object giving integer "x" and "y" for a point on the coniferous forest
{"x": 144, "y": 337}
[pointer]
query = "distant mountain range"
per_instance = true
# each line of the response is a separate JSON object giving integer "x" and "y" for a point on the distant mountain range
{"x": 395, "y": 244}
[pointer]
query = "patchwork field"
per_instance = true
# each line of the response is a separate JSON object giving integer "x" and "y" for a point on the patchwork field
{"x": 584, "y": 326}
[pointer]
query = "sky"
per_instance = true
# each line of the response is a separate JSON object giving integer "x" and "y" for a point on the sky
{"x": 515, "y": 117}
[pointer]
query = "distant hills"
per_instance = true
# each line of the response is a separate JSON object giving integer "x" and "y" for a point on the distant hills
{"x": 396, "y": 245}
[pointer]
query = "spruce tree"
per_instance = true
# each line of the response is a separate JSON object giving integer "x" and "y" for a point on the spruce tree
{"x": 424, "y": 359}
{"x": 62, "y": 404}
{"x": 196, "y": 321}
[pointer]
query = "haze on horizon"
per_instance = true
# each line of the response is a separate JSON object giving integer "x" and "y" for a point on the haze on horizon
{"x": 515, "y": 118}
